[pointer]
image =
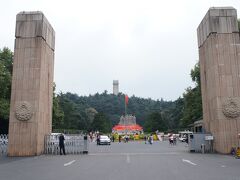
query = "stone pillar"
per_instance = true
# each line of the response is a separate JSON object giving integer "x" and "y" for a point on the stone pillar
{"x": 32, "y": 85}
{"x": 219, "y": 54}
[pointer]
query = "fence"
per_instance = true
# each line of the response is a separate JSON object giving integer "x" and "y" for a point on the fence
{"x": 74, "y": 144}
{"x": 3, "y": 144}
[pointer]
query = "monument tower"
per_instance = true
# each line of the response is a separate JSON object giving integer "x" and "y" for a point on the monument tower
{"x": 115, "y": 87}
{"x": 32, "y": 85}
{"x": 219, "y": 54}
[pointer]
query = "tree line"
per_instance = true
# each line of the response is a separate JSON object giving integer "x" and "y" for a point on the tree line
{"x": 103, "y": 110}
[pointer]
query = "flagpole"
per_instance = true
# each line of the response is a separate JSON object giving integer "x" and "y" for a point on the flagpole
{"x": 126, "y": 102}
{"x": 125, "y": 108}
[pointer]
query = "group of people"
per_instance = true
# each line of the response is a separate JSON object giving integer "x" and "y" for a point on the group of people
{"x": 148, "y": 139}
{"x": 125, "y": 138}
{"x": 236, "y": 152}
{"x": 93, "y": 136}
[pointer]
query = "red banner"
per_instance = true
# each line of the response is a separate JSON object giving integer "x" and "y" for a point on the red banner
{"x": 126, "y": 99}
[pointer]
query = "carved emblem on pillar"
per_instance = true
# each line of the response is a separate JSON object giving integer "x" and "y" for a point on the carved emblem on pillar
{"x": 231, "y": 107}
{"x": 23, "y": 111}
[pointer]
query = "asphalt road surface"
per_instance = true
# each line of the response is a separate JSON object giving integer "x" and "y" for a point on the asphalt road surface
{"x": 124, "y": 161}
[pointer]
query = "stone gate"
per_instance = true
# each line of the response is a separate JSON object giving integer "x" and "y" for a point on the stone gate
{"x": 219, "y": 54}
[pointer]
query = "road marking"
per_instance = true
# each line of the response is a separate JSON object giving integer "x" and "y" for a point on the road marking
{"x": 69, "y": 163}
{"x": 187, "y": 161}
{"x": 128, "y": 158}
{"x": 223, "y": 166}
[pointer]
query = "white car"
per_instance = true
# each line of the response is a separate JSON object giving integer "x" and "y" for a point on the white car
{"x": 104, "y": 140}
{"x": 182, "y": 139}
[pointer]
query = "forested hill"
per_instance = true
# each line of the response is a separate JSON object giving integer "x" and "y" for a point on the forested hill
{"x": 101, "y": 111}
{"x": 79, "y": 108}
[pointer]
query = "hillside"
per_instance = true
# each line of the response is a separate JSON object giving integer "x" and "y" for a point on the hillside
{"x": 74, "y": 108}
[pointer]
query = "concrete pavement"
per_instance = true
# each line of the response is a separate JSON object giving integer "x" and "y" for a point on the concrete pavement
{"x": 130, "y": 161}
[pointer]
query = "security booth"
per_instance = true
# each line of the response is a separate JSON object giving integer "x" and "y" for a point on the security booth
{"x": 200, "y": 142}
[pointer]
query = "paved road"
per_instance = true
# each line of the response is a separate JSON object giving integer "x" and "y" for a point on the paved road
{"x": 124, "y": 161}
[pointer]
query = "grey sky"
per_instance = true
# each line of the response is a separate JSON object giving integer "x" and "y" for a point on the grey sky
{"x": 149, "y": 46}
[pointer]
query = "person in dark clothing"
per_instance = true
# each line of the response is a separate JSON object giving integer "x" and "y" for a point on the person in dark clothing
{"x": 186, "y": 139}
{"x": 119, "y": 138}
{"x": 61, "y": 144}
{"x": 145, "y": 139}
{"x": 98, "y": 139}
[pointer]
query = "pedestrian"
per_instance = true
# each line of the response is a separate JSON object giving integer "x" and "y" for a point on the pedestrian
{"x": 151, "y": 139}
{"x": 91, "y": 136}
{"x": 145, "y": 139}
{"x": 98, "y": 139}
{"x": 61, "y": 144}
{"x": 119, "y": 138}
{"x": 186, "y": 140}
{"x": 113, "y": 138}
{"x": 171, "y": 139}
{"x": 174, "y": 140}
{"x": 127, "y": 138}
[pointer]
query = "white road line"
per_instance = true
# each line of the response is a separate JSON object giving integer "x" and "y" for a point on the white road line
{"x": 128, "y": 158}
{"x": 69, "y": 163}
{"x": 223, "y": 166}
{"x": 187, "y": 161}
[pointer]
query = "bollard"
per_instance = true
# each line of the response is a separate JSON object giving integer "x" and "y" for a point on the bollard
{"x": 85, "y": 148}
{"x": 203, "y": 148}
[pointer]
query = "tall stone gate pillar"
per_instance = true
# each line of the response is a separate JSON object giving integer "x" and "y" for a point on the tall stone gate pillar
{"x": 219, "y": 53}
{"x": 32, "y": 85}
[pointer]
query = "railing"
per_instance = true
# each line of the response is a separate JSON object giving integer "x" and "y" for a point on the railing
{"x": 74, "y": 144}
{"x": 3, "y": 144}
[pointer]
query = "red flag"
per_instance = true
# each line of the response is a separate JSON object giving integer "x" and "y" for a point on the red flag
{"x": 126, "y": 99}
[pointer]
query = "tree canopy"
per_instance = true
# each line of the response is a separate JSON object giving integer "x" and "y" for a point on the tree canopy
{"x": 192, "y": 99}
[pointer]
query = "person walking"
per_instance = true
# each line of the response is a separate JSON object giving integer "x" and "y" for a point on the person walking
{"x": 61, "y": 144}
{"x": 98, "y": 139}
{"x": 145, "y": 139}
{"x": 151, "y": 139}
{"x": 119, "y": 138}
{"x": 174, "y": 140}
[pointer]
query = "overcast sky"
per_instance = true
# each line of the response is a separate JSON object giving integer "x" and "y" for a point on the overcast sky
{"x": 150, "y": 46}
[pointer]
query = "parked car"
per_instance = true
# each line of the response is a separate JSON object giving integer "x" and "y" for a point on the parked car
{"x": 104, "y": 140}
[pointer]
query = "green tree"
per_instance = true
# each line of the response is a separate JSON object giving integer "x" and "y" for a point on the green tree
{"x": 57, "y": 112}
{"x": 155, "y": 122}
{"x": 74, "y": 114}
{"x": 101, "y": 123}
{"x": 192, "y": 99}
{"x": 6, "y": 60}
{"x": 90, "y": 113}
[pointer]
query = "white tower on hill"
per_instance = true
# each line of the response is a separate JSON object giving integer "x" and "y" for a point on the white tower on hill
{"x": 115, "y": 87}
